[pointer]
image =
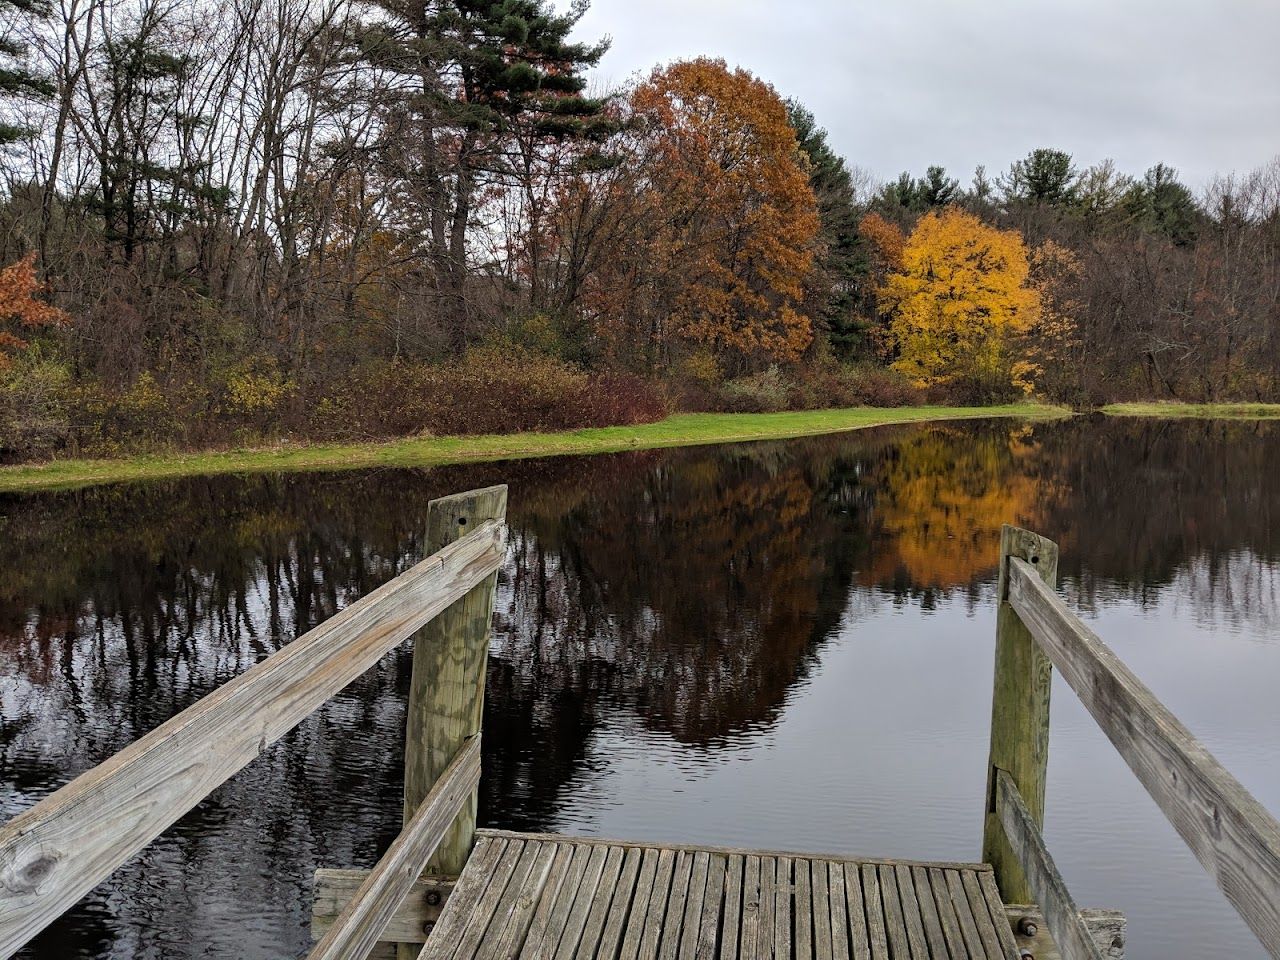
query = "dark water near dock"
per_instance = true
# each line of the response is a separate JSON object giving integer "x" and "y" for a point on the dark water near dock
{"x": 776, "y": 644}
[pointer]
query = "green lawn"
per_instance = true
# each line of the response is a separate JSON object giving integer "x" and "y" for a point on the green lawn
{"x": 1203, "y": 411}
{"x": 681, "y": 430}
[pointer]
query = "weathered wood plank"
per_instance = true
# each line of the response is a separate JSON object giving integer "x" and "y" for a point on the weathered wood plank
{"x": 709, "y": 929}
{"x": 947, "y": 915}
{"x": 823, "y": 949}
{"x": 768, "y": 885}
{"x": 446, "y": 686}
{"x": 608, "y": 887}
{"x": 1047, "y": 886}
{"x": 1106, "y": 927}
{"x": 744, "y": 851}
{"x": 1019, "y": 706}
{"x": 556, "y": 879}
{"x": 752, "y": 905}
{"x": 839, "y": 913}
{"x": 1231, "y": 834}
{"x": 782, "y": 891}
{"x": 874, "y": 905}
{"x": 859, "y": 934}
{"x": 802, "y": 923}
{"x": 484, "y": 911}
{"x": 363, "y": 920}
{"x": 894, "y": 922}
{"x": 653, "y": 877}
{"x": 576, "y": 919}
{"x": 652, "y": 921}
{"x": 735, "y": 900}
{"x": 545, "y": 947}
{"x": 691, "y": 925}
{"x": 911, "y": 910}
{"x": 629, "y": 896}
{"x": 960, "y": 903}
{"x": 997, "y": 915}
{"x": 56, "y": 852}
{"x": 420, "y": 909}
{"x": 513, "y": 918}
{"x": 466, "y": 892}
{"x": 929, "y": 917}
{"x": 673, "y": 922}
{"x": 991, "y": 943}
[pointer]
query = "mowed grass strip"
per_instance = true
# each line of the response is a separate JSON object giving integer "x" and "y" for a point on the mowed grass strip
{"x": 686, "y": 429}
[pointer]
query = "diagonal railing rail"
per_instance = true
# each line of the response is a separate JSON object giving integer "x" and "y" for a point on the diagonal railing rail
{"x": 56, "y": 852}
{"x": 1232, "y": 835}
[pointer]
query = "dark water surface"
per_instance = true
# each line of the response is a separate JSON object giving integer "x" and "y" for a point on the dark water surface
{"x": 782, "y": 645}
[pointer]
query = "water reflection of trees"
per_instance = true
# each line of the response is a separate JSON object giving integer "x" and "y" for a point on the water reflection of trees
{"x": 690, "y": 590}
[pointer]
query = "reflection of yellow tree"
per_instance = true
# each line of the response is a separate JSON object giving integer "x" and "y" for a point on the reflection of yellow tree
{"x": 944, "y": 496}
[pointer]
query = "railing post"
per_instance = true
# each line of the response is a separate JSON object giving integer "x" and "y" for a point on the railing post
{"x": 1019, "y": 710}
{"x": 446, "y": 691}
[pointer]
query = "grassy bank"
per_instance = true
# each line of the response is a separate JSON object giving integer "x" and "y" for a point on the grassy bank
{"x": 1202, "y": 411}
{"x": 681, "y": 430}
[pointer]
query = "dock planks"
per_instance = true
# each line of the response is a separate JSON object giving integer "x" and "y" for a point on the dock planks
{"x": 561, "y": 898}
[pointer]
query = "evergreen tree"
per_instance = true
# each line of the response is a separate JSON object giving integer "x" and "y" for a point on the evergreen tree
{"x": 492, "y": 83}
{"x": 1044, "y": 177}
{"x": 934, "y": 189}
{"x": 843, "y": 263}
{"x": 17, "y": 80}
{"x": 1162, "y": 204}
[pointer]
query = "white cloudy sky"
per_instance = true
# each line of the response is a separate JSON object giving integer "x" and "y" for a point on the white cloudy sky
{"x": 900, "y": 84}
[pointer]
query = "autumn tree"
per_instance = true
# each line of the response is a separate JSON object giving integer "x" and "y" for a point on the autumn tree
{"x": 734, "y": 222}
{"x": 21, "y": 308}
{"x": 959, "y": 302}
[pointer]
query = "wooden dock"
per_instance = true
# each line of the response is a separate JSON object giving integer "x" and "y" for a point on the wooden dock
{"x": 553, "y": 897}
{"x": 446, "y": 891}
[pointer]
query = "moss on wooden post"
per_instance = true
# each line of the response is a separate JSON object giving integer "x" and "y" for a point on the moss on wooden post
{"x": 1019, "y": 709}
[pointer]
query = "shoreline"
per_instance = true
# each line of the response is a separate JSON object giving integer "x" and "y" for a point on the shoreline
{"x": 678, "y": 430}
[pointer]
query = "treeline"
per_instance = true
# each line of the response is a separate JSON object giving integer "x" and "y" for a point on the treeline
{"x": 332, "y": 218}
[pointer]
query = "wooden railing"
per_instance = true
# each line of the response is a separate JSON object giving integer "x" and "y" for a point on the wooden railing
{"x": 56, "y": 852}
{"x": 1231, "y": 834}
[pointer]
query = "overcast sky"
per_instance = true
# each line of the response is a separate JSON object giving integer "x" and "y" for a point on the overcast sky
{"x": 901, "y": 84}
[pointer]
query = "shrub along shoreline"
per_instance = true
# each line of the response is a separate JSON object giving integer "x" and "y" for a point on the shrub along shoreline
{"x": 687, "y": 429}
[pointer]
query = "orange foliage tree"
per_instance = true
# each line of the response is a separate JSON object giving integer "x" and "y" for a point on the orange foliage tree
{"x": 20, "y": 306}
{"x": 734, "y": 226}
{"x": 960, "y": 301}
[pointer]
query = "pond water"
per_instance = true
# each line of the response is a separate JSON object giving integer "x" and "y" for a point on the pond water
{"x": 783, "y": 645}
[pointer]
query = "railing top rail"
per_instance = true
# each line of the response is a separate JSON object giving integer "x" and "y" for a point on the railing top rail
{"x": 1232, "y": 835}
{"x": 56, "y": 852}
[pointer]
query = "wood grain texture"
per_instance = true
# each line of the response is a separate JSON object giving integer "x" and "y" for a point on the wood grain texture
{"x": 626, "y": 901}
{"x": 1231, "y": 833}
{"x": 1019, "y": 707}
{"x": 1047, "y": 886}
{"x": 366, "y": 916}
{"x": 446, "y": 687}
{"x": 56, "y": 852}
{"x": 421, "y": 907}
{"x": 1107, "y": 927}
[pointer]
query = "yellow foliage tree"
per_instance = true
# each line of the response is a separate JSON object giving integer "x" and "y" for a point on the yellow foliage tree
{"x": 959, "y": 302}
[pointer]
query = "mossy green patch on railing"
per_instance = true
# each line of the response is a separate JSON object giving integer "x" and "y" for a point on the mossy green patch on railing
{"x": 685, "y": 429}
{"x": 1202, "y": 411}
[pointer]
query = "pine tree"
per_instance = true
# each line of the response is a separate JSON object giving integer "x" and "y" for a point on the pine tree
{"x": 1162, "y": 204}
{"x": 1044, "y": 176}
{"x": 843, "y": 264}
{"x": 493, "y": 84}
{"x": 17, "y": 80}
